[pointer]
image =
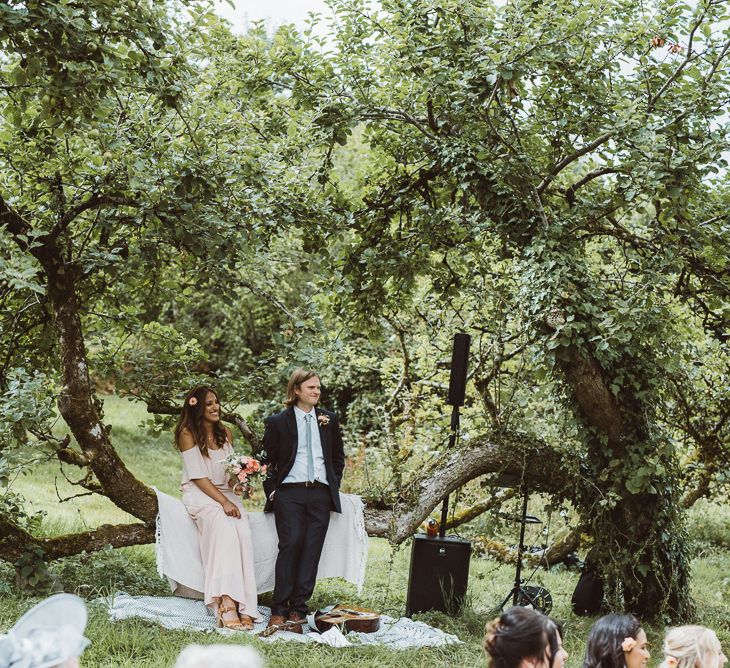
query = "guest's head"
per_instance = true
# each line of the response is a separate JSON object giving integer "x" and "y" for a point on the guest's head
{"x": 49, "y": 635}
{"x": 231, "y": 656}
{"x": 303, "y": 388}
{"x": 616, "y": 641}
{"x": 692, "y": 647}
{"x": 524, "y": 638}
{"x": 201, "y": 412}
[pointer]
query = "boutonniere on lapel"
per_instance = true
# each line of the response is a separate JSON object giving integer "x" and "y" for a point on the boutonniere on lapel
{"x": 323, "y": 420}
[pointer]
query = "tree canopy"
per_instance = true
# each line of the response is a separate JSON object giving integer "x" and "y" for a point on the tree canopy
{"x": 179, "y": 203}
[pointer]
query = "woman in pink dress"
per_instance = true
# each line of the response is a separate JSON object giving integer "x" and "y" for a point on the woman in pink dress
{"x": 225, "y": 537}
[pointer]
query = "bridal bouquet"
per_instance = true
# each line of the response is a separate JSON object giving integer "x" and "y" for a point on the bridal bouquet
{"x": 246, "y": 470}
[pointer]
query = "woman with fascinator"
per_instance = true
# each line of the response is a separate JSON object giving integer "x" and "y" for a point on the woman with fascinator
{"x": 225, "y": 537}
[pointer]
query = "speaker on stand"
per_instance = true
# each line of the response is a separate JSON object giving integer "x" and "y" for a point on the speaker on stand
{"x": 439, "y": 570}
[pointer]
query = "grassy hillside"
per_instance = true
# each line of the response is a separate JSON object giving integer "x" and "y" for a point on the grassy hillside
{"x": 132, "y": 643}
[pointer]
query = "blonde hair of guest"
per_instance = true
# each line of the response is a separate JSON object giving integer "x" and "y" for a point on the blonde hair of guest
{"x": 692, "y": 647}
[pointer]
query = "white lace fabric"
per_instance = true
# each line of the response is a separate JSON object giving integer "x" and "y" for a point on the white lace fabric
{"x": 177, "y": 549}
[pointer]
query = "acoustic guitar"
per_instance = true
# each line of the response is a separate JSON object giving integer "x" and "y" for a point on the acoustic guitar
{"x": 346, "y": 617}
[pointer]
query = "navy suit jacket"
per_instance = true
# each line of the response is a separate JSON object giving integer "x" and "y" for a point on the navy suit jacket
{"x": 280, "y": 445}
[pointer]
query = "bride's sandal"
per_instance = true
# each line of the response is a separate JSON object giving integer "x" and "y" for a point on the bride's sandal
{"x": 233, "y": 624}
{"x": 246, "y": 622}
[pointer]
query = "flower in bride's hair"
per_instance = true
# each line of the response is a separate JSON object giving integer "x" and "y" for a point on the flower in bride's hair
{"x": 192, "y": 401}
{"x": 671, "y": 661}
{"x": 628, "y": 644}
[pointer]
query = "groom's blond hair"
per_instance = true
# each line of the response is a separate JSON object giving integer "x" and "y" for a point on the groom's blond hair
{"x": 298, "y": 377}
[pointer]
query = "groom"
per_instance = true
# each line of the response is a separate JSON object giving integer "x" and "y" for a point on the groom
{"x": 305, "y": 458}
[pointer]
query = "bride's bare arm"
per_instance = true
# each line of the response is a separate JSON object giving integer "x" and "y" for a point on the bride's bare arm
{"x": 205, "y": 484}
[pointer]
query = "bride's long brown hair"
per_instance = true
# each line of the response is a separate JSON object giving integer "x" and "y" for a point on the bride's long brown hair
{"x": 191, "y": 418}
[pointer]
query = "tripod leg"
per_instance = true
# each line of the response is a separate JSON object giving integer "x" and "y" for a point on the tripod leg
{"x": 506, "y": 598}
{"x": 512, "y": 593}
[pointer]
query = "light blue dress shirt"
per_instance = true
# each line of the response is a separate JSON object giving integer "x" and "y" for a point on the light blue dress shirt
{"x": 298, "y": 471}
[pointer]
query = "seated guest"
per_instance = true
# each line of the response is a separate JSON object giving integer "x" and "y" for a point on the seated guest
{"x": 616, "y": 641}
{"x": 524, "y": 638}
{"x": 49, "y": 635}
{"x": 692, "y": 647}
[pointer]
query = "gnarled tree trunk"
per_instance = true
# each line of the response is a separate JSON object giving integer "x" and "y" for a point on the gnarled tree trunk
{"x": 645, "y": 528}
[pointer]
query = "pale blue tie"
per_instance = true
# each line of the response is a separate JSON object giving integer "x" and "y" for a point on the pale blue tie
{"x": 310, "y": 457}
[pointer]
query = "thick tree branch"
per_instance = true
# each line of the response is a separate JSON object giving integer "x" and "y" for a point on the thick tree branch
{"x": 596, "y": 402}
{"x": 471, "y": 513}
{"x": 699, "y": 491}
{"x": 14, "y": 540}
{"x": 387, "y": 202}
{"x": 71, "y": 456}
{"x": 533, "y": 462}
{"x": 555, "y": 554}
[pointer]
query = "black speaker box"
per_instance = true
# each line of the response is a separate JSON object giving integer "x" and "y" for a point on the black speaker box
{"x": 439, "y": 574}
{"x": 459, "y": 364}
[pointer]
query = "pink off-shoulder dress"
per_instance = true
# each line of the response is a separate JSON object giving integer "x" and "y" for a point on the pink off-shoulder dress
{"x": 225, "y": 542}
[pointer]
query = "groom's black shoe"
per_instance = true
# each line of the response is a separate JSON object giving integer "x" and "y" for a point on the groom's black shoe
{"x": 294, "y": 616}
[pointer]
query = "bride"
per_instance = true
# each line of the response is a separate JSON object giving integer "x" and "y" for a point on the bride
{"x": 225, "y": 537}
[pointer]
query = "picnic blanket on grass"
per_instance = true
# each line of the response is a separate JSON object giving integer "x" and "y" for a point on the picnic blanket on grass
{"x": 174, "y": 612}
{"x": 177, "y": 548}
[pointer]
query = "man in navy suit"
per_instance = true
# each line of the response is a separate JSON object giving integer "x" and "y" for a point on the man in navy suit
{"x": 305, "y": 459}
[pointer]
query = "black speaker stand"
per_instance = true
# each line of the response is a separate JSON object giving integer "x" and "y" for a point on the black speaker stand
{"x": 452, "y": 442}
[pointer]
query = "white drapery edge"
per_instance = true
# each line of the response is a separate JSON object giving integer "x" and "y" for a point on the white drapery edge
{"x": 177, "y": 550}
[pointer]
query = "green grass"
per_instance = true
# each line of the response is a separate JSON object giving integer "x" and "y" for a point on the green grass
{"x": 138, "y": 643}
